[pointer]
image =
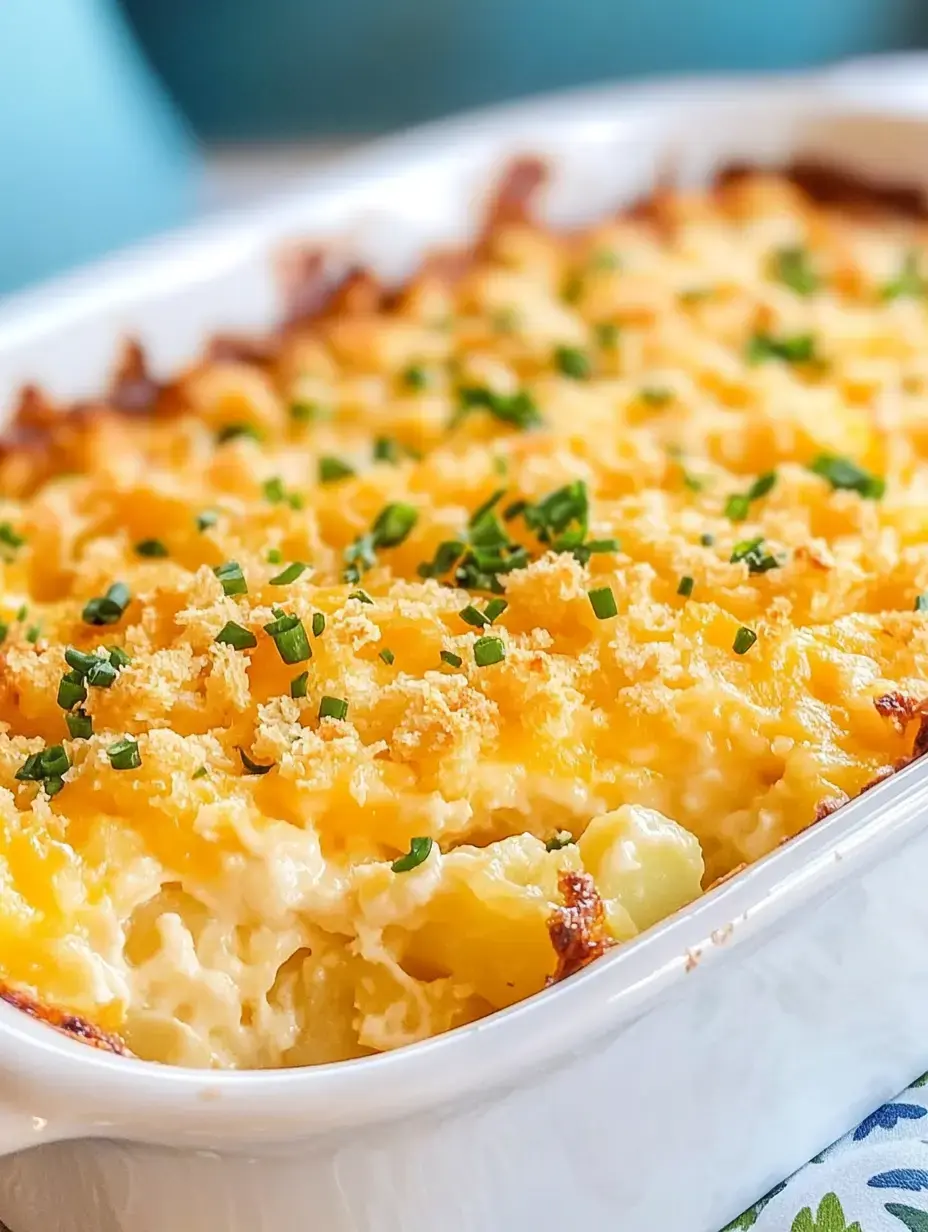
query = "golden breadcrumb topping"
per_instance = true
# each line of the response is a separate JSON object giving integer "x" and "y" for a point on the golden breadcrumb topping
{"x": 349, "y": 671}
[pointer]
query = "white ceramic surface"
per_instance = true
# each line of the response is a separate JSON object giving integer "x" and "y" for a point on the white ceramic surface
{"x": 626, "y": 1099}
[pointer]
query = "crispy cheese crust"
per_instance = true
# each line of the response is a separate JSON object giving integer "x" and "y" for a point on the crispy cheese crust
{"x": 686, "y": 446}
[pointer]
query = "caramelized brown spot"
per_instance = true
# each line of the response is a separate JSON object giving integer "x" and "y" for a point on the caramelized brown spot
{"x": 831, "y": 185}
{"x": 732, "y": 872}
{"x": 515, "y": 195}
{"x": 132, "y": 388}
{"x": 34, "y": 410}
{"x": 255, "y": 349}
{"x": 578, "y": 929}
{"x": 830, "y": 805}
{"x": 304, "y": 283}
{"x": 310, "y": 290}
{"x": 898, "y": 707}
{"x": 69, "y": 1024}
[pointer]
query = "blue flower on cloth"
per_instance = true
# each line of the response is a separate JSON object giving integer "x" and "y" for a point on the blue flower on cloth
{"x": 887, "y": 1117}
{"x": 875, "y": 1179}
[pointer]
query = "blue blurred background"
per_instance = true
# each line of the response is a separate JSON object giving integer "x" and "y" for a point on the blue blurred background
{"x": 107, "y": 109}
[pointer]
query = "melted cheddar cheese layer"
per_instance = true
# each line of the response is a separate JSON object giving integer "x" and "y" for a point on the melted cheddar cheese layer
{"x": 711, "y": 416}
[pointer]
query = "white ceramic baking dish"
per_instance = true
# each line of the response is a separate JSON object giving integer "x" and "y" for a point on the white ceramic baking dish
{"x": 672, "y": 1082}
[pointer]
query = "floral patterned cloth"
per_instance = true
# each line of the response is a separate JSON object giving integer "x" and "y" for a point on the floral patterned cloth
{"x": 874, "y": 1179}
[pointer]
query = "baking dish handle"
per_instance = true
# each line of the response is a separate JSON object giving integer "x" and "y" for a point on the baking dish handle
{"x": 19, "y": 1132}
{"x": 898, "y": 81}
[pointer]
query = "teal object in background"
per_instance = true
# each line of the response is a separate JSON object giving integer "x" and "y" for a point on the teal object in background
{"x": 92, "y": 153}
{"x": 285, "y": 68}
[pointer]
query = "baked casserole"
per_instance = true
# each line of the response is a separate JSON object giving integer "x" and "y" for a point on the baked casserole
{"x": 367, "y": 676}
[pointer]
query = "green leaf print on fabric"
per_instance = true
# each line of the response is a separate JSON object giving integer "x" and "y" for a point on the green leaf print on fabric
{"x": 830, "y": 1218}
{"x": 744, "y": 1221}
{"x": 914, "y": 1220}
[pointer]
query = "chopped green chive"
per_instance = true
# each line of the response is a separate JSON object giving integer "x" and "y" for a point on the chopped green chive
{"x": 9, "y": 538}
{"x": 290, "y": 574}
{"x": 707, "y": 539}
{"x": 110, "y": 608}
{"x": 388, "y": 530}
{"x": 517, "y": 409}
{"x": 33, "y": 633}
{"x": 274, "y": 556}
{"x": 71, "y": 690}
{"x": 417, "y": 854}
{"x": 55, "y": 761}
{"x": 124, "y": 754}
{"x": 594, "y": 547}
{"x": 416, "y": 377}
{"x": 102, "y": 675}
{"x": 362, "y": 596}
{"x": 79, "y": 660}
{"x": 4, "y": 630}
{"x": 98, "y": 670}
{"x": 696, "y": 295}
{"x": 795, "y": 349}
{"x": 150, "y": 547}
{"x": 238, "y": 431}
{"x": 46, "y": 767}
{"x": 31, "y": 769}
{"x": 744, "y": 640}
{"x": 506, "y": 320}
{"x": 471, "y": 616}
{"x": 792, "y": 267}
{"x": 333, "y": 708}
{"x": 921, "y": 603}
{"x": 200, "y": 773}
{"x": 386, "y": 449}
{"x": 572, "y": 288}
{"x": 231, "y": 578}
{"x": 605, "y": 259}
{"x": 607, "y": 335}
{"x": 318, "y": 624}
{"x": 290, "y": 638}
{"x": 751, "y": 552}
{"x": 563, "y": 838}
{"x": 234, "y": 635}
{"x": 387, "y": 656}
{"x": 845, "y": 475}
{"x": 909, "y": 282}
{"x": 449, "y": 657}
{"x": 393, "y": 524}
{"x": 307, "y": 412}
{"x": 738, "y": 505}
{"x": 298, "y": 685}
{"x": 206, "y": 519}
{"x": 495, "y": 608}
{"x": 332, "y": 469}
{"x": 277, "y": 494}
{"x": 254, "y": 767}
{"x": 656, "y": 395}
{"x": 446, "y": 555}
{"x": 573, "y": 362}
{"x": 602, "y": 601}
{"x": 762, "y": 485}
{"x": 685, "y": 587}
{"x": 488, "y": 650}
{"x": 80, "y": 725}
{"x": 561, "y": 519}
{"x": 22, "y": 612}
